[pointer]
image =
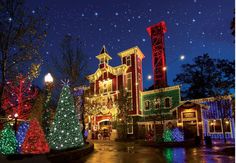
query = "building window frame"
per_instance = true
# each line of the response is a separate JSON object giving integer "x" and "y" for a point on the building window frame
{"x": 170, "y": 102}
{"x": 147, "y": 102}
{"x": 209, "y": 121}
{"x": 128, "y": 61}
{"x": 130, "y": 123}
{"x": 108, "y": 87}
{"x": 155, "y": 102}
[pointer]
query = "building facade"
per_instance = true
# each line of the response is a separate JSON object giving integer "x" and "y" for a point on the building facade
{"x": 151, "y": 109}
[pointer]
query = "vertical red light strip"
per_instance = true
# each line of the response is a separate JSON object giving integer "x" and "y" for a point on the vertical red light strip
{"x": 156, "y": 33}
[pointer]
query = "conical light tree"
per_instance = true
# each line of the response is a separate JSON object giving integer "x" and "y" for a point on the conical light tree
{"x": 21, "y": 133}
{"x": 65, "y": 131}
{"x": 35, "y": 141}
{"x": 8, "y": 142}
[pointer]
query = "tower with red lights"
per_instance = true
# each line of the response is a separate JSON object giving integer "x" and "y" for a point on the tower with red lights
{"x": 156, "y": 32}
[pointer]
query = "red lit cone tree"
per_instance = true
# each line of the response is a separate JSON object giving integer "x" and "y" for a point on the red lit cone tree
{"x": 35, "y": 141}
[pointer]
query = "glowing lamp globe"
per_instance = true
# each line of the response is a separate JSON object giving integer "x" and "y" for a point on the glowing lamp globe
{"x": 48, "y": 78}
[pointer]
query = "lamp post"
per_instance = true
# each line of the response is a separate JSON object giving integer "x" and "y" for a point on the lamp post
{"x": 15, "y": 125}
{"x": 48, "y": 80}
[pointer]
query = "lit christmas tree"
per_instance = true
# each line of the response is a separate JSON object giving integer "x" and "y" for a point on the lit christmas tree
{"x": 35, "y": 141}
{"x": 177, "y": 135}
{"x": 21, "y": 133}
{"x": 65, "y": 131}
{"x": 8, "y": 142}
{"x": 167, "y": 135}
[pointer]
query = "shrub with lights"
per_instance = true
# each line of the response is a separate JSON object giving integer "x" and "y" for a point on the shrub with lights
{"x": 65, "y": 130}
{"x": 8, "y": 142}
{"x": 173, "y": 135}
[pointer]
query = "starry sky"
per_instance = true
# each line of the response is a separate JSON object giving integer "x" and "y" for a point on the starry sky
{"x": 194, "y": 27}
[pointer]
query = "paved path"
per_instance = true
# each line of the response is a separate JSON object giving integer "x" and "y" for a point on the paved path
{"x": 117, "y": 152}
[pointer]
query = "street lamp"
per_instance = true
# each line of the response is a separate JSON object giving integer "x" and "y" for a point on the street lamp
{"x": 48, "y": 78}
{"x": 15, "y": 126}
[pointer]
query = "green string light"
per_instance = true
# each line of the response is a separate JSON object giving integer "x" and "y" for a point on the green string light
{"x": 65, "y": 131}
{"x": 8, "y": 142}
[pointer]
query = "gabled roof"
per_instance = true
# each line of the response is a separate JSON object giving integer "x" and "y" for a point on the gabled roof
{"x": 188, "y": 101}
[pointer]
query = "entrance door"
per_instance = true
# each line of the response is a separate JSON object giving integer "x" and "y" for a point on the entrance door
{"x": 190, "y": 129}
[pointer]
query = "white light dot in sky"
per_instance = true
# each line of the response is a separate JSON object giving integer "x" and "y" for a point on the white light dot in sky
{"x": 194, "y": 20}
{"x": 116, "y": 13}
{"x": 182, "y": 57}
{"x": 149, "y": 77}
{"x": 143, "y": 39}
{"x": 96, "y": 14}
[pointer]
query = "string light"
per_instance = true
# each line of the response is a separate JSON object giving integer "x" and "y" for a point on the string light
{"x": 21, "y": 133}
{"x": 65, "y": 131}
{"x": 8, "y": 142}
{"x": 35, "y": 141}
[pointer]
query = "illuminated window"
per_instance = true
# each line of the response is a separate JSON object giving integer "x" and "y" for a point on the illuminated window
{"x": 167, "y": 102}
{"x": 105, "y": 86}
{"x": 129, "y": 81}
{"x": 215, "y": 125}
{"x": 147, "y": 105}
{"x": 227, "y": 126}
{"x": 157, "y": 103}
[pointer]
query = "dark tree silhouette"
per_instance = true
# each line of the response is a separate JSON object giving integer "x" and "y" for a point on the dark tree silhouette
{"x": 21, "y": 36}
{"x": 72, "y": 63}
{"x": 206, "y": 77}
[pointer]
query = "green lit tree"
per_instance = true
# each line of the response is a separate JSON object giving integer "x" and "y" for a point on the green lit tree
{"x": 65, "y": 131}
{"x": 8, "y": 143}
{"x": 167, "y": 135}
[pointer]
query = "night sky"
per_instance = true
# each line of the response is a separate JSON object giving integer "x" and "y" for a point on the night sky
{"x": 194, "y": 27}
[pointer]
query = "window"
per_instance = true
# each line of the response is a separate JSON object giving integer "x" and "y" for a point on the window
{"x": 128, "y": 60}
{"x": 129, "y": 81}
{"x": 147, "y": 105}
{"x": 130, "y": 125}
{"x": 157, "y": 103}
{"x": 167, "y": 102}
{"x": 227, "y": 126}
{"x": 105, "y": 86}
{"x": 103, "y": 60}
{"x": 214, "y": 125}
